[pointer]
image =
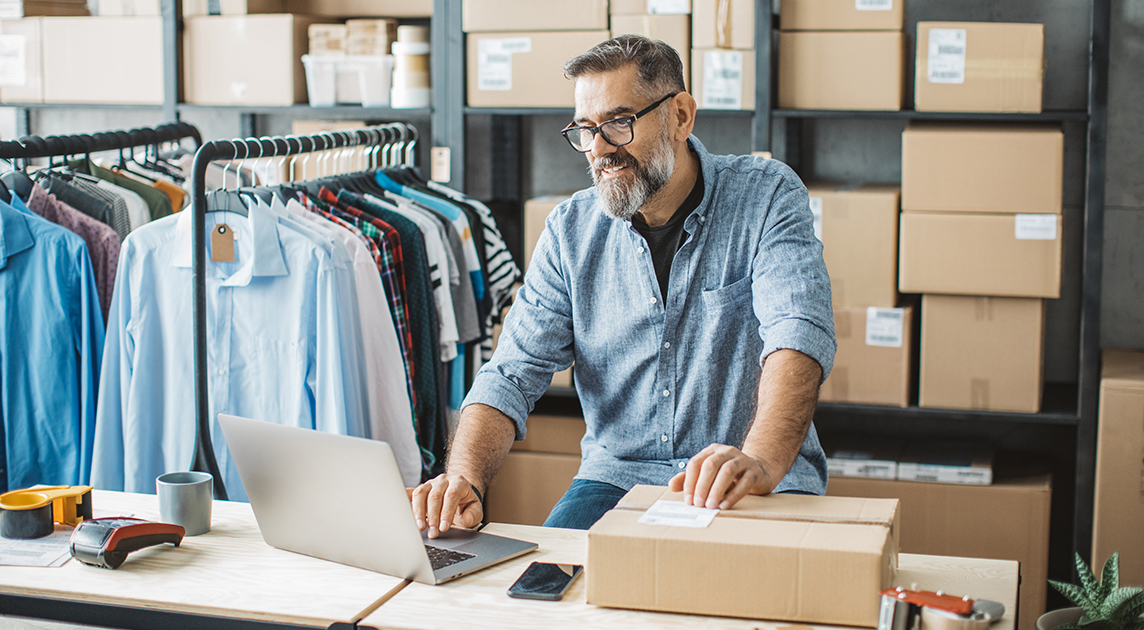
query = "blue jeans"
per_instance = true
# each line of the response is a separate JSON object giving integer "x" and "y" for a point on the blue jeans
{"x": 583, "y": 504}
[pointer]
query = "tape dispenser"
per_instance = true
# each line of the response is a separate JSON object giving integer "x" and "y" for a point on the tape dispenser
{"x": 33, "y": 512}
{"x": 904, "y": 609}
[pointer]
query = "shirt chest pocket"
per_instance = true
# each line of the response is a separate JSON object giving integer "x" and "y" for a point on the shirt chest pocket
{"x": 734, "y": 296}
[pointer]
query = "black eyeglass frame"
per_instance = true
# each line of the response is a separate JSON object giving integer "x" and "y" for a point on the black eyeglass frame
{"x": 631, "y": 120}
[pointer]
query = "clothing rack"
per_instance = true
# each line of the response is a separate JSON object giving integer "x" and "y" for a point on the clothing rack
{"x": 394, "y": 137}
{"x": 29, "y": 147}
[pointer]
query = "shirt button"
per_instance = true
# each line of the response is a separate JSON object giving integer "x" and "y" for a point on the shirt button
{"x": 666, "y": 393}
{"x": 639, "y": 250}
{"x": 663, "y": 438}
{"x": 651, "y": 301}
{"x": 701, "y": 219}
{"x": 221, "y": 371}
{"x": 667, "y": 344}
{"x": 683, "y": 464}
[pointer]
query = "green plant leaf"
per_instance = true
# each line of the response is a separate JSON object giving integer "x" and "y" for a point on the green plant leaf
{"x": 1110, "y": 576}
{"x": 1136, "y": 625}
{"x": 1076, "y": 595}
{"x": 1134, "y": 608}
{"x": 1113, "y": 607}
{"x": 1087, "y": 580}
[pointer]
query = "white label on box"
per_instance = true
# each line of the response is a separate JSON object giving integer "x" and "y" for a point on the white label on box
{"x": 1036, "y": 227}
{"x": 494, "y": 62}
{"x": 13, "y": 60}
{"x": 676, "y": 514}
{"x": 946, "y": 55}
{"x": 968, "y": 475}
{"x": 722, "y": 80}
{"x": 816, "y": 210}
{"x": 884, "y": 327}
{"x": 669, "y": 7}
{"x": 874, "y": 5}
{"x": 11, "y": 10}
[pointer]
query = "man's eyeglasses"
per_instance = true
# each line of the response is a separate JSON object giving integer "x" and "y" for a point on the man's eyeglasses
{"x": 616, "y": 132}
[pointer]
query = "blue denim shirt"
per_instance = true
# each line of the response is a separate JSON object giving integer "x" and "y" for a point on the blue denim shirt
{"x": 660, "y": 382}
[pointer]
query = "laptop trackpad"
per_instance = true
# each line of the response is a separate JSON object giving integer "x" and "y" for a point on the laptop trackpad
{"x": 453, "y": 539}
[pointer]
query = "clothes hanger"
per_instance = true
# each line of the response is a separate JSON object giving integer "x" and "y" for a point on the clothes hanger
{"x": 224, "y": 200}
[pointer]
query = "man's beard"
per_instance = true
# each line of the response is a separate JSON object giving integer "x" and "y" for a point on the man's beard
{"x": 623, "y": 197}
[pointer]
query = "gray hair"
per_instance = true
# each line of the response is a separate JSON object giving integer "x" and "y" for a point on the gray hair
{"x": 659, "y": 68}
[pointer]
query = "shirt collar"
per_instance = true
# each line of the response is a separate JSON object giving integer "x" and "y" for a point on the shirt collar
{"x": 266, "y": 257}
{"x": 15, "y": 236}
{"x": 708, "y": 171}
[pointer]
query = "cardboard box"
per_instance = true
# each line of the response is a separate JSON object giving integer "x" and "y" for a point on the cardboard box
{"x": 874, "y": 359}
{"x": 524, "y": 69}
{"x": 979, "y": 67}
{"x": 128, "y": 68}
{"x": 982, "y": 353}
{"x": 129, "y": 7}
{"x": 270, "y": 46}
{"x": 552, "y": 434}
{"x": 536, "y": 211}
{"x": 22, "y": 80}
{"x": 954, "y": 167}
{"x": 723, "y": 79}
{"x": 370, "y": 37}
{"x": 193, "y": 8}
{"x": 770, "y": 557}
{"x": 533, "y": 15}
{"x": 17, "y": 10}
{"x": 858, "y": 227}
{"x": 649, "y": 7}
{"x": 842, "y": 15}
{"x": 528, "y": 486}
{"x": 362, "y": 8}
{"x": 981, "y": 254}
{"x": 723, "y": 24}
{"x": 327, "y": 39}
{"x": 841, "y": 70}
{"x": 1007, "y": 520}
{"x": 1119, "y": 503}
{"x": 675, "y": 30}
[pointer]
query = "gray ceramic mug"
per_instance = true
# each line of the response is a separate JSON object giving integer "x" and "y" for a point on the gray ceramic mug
{"x": 185, "y": 499}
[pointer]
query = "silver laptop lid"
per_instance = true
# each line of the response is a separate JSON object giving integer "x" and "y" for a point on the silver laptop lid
{"x": 329, "y": 496}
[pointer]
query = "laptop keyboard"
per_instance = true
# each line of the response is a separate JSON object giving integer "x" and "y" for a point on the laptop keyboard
{"x": 440, "y": 558}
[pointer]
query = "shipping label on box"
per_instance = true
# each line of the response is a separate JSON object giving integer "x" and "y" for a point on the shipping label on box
{"x": 874, "y": 358}
{"x": 723, "y": 79}
{"x": 982, "y": 353}
{"x": 980, "y": 254}
{"x": 524, "y": 69}
{"x": 858, "y": 227}
{"x": 533, "y": 15}
{"x": 841, "y": 70}
{"x": 776, "y": 556}
{"x": 949, "y": 167}
{"x": 842, "y": 15}
{"x": 723, "y": 24}
{"x": 649, "y": 7}
{"x": 979, "y": 67}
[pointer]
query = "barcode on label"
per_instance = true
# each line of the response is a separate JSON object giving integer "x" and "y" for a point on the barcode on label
{"x": 727, "y": 74}
{"x": 497, "y": 58}
{"x": 951, "y": 50}
{"x": 947, "y": 51}
{"x": 944, "y": 75}
{"x": 874, "y": 5}
{"x": 884, "y": 327}
{"x": 719, "y": 100}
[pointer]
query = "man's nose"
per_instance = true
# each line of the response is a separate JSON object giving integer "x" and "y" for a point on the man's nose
{"x": 600, "y": 146}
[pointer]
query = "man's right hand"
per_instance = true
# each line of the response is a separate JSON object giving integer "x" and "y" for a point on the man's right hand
{"x": 445, "y": 501}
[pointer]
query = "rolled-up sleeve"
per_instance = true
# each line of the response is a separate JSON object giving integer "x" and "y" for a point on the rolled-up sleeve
{"x": 536, "y": 340}
{"x": 791, "y": 288}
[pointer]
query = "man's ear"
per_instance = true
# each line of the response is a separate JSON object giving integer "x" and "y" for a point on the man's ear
{"x": 683, "y": 109}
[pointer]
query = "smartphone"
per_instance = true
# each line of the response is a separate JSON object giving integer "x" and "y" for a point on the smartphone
{"x": 544, "y": 580}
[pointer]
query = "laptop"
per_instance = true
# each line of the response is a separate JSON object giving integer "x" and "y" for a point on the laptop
{"x": 342, "y": 499}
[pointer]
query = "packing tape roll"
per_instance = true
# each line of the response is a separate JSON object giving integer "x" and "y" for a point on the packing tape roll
{"x": 33, "y": 512}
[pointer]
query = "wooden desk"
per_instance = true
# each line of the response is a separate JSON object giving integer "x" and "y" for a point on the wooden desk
{"x": 229, "y": 572}
{"x": 479, "y": 600}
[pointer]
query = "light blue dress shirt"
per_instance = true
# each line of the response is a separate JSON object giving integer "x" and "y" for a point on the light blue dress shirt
{"x": 51, "y": 342}
{"x": 277, "y": 350}
{"x": 658, "y": 383}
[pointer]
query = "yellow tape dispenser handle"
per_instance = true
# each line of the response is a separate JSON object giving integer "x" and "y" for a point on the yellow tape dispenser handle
{"x": 32, "y": 512}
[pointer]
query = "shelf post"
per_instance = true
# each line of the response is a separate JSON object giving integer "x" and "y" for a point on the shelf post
{"x": 447, "y": 69}
{"x": 171, "y": 11}
{"x": 761, "y": 121}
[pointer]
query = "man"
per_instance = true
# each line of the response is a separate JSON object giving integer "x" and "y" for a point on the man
{"x": 690, "y": 292}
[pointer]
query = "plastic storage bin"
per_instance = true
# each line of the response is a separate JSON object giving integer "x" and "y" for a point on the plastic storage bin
{"x": 348, "y": 79}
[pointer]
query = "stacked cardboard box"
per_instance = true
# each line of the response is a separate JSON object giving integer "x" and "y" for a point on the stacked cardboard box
{"x": 22, "y": 80}
{"x": 537, "y": 471}
{"x": 668, "y": 21}
{"x": 842, "y": 54}
{"x": 981, "y": 238}
{"x": 723, "y": 54}
{"x": 72, "y": 74}
{"x": 128, "y": 7}
{"x": 979, "y": 67}
{"x": 193, "y": 8}
{"x": 536, "y": 210}
{"x": 358, "y": 8}
{"x": 517, "y": 49}
{"x": 858, "y": 227}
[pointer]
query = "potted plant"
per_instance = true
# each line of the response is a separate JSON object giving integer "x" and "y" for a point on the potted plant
{"x": 1103, "y": 605}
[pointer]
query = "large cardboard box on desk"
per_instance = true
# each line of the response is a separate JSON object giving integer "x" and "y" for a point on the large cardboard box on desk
{"x": 1008, "y": 520}
{"x": 979, "y": 67}
{"x": 1015, "y": 255}
{"x": 22, "y": 80}
{"x": 875, "y": 349}
{"x": 271, "y": 47}
{"x": 982, "y": 353}
{"x": 1119, "y": 507}
{"x": 675, "y": 30}
{"x": 858, "y": 227}
{"x": 783, "y": 557}
{"x": 842, "y": 15}
{"x": 533, "y": 15}
{"x": 950, "y": 167}
{"x": 128, "y": 69}
{"x": 841, "y": 70}
{"x": 524, "y": 69}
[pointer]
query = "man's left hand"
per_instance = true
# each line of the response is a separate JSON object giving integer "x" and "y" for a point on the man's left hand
{"x": 719, "y": 476}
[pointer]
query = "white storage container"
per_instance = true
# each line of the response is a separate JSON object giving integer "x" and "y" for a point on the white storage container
{"x": 348, "y": 79}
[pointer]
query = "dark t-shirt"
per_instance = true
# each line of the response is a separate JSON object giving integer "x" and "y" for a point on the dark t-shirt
{"x": 664, "y": 240}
